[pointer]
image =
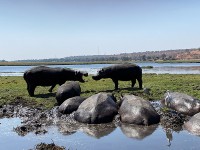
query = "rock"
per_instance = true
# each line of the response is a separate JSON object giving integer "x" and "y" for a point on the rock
{"x": 68, "y": 90}
{"x": 70, "y": 105}
{"x": 135, "y": 110}
{"x": 182, "y": 103}
{"x": 193, "y": 125}
{"x": 99, "y": 108}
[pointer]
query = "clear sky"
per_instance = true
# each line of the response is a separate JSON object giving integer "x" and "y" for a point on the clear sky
{"x": 34, "y": 29}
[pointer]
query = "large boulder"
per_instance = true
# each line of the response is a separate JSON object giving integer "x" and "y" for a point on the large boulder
{"x": 193, "y": 125}
{"x": 70, "y": 105}
{"x": 182, "y": 103}
{"x": 135, "y": 110}
{"x": 99, "y": 108}
{"x": 68, "y": 90}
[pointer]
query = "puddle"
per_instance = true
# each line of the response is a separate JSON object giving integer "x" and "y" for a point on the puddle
{"x": 96, "y": 137}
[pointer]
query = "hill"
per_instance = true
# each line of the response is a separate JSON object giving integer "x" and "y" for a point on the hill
{"x": 165, "y": 55}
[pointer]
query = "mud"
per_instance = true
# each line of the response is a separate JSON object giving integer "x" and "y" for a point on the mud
{"x": 44, "y": 146}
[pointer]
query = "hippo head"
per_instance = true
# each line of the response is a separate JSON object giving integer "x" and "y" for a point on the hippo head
{"x": 79, "y": 76}
{"x": 99, "y": 75}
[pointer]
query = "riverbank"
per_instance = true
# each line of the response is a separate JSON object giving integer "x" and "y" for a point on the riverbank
{"x": 13, "y": 89}
{"x": 36, "y": 63}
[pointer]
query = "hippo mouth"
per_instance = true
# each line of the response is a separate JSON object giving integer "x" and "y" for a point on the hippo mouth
{"x": 96, "y": 77}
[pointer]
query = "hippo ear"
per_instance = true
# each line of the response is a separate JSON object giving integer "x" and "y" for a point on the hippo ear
{"x": 76, "y": 73}
{"x": 85, "y": 74}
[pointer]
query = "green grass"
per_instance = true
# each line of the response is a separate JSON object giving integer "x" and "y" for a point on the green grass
{"x": 14, "y": 88}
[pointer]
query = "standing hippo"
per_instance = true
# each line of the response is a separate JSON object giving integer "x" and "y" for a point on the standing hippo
{"x": 123, "y": 72}
{"x": 46, "y": 76}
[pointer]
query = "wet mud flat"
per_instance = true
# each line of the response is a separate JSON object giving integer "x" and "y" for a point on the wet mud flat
{"x": 37, "y": 121}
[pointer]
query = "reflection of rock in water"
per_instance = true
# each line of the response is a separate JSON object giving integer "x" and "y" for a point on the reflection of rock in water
{"x": 67, "y": 128}
{"x": 136, "y": 131}
{"x": 98, "y": 130}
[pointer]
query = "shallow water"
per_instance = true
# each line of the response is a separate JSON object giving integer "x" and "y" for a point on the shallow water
{"x": 158, "y": 68}
{"x": 92, "y": 137}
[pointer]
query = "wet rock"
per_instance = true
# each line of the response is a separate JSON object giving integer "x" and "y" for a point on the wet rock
{"x": 193, "y": 125}
{"x": 99, "y": 108}
{"x": 68, "y": 90}
{"x": 182, "y": 103}
{"x": 135, "y": 110}
{"x": 70, "y": 105}
{"x": 52, "y": 146}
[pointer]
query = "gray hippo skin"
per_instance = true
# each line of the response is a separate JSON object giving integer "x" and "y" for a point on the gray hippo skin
{"x": 70, "y": 105}
{"x": 193, "y": 125}
{"x": 99, "y": 108}
{"x": 182, "y": 103}
{"x": 122, "y": 72}
{"x": 46, "y": 76}
{"x": 135, "y": 110}
{"x": 68, "y": 90}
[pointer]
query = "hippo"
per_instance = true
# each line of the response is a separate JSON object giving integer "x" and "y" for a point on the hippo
{"x": 122, "y": 72}
{"x": 135, "y": 110}
{"x": 46, "y": 76}
{"x": 68, "y": 90}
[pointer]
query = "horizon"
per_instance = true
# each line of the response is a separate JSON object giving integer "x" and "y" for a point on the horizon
{"x": 43, "y": 29}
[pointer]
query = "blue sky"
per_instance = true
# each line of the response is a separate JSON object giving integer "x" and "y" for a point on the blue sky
{"x": 34, "y": 29}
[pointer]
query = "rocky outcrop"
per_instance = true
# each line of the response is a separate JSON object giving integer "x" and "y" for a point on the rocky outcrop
{"x": 193, "y": 125}
{"x": 68, "y": 90}
{"x": 99, "y": 108}
{"x": 182, "y": 103}
{"x": 135, "y": 110}
{"x": 70, "y": 105}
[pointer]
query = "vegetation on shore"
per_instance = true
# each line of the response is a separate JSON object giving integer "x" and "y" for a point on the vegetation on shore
{"x": 12, "y": 63}
{"x": 13, "y": 89}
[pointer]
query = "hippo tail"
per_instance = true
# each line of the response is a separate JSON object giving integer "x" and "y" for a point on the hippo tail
{"x": 25, "y": 76}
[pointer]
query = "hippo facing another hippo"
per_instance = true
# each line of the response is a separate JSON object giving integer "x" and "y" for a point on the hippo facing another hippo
{"x": 46, "y": 76}
{"x": 123, "y": 72}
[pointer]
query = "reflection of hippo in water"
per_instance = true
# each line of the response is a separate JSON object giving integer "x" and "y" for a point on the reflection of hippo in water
{"x": 123, "y": 72}
{"x": 46, "y": 76}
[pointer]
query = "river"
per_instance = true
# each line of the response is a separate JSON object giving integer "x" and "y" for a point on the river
{"x": 158, "y": 68}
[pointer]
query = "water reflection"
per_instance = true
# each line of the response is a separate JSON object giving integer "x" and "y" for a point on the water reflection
{"x": 138, "y": 132}
{"x": 96, "y": 130}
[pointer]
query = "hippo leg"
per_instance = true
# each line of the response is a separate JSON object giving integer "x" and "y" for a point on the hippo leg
{"x": 31, "y": 89}
{"x": 51, "y": 88}
{"x": 140, "y": 82}
{"x": 133, "y": 81}
{"x": 116, "y": 84}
